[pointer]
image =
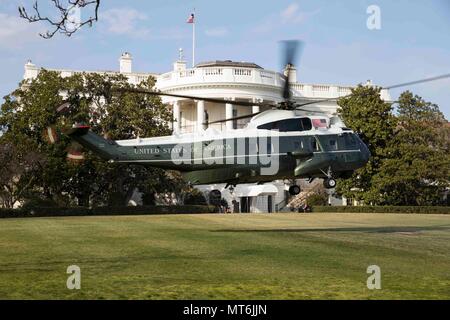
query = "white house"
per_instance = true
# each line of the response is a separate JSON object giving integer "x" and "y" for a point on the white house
{"x": 233, "y": 81}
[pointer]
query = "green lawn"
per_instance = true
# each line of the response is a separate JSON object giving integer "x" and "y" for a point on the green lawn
{"x": 280, "y": 256}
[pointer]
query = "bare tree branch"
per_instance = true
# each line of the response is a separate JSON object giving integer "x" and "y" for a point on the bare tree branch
{"x": 68, "y": 21}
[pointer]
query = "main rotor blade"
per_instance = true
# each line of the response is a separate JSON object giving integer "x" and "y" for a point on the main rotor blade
{"x": 234, "y": 118}
{"x": 444, "y": 76}
{"x": 214, "y": 100}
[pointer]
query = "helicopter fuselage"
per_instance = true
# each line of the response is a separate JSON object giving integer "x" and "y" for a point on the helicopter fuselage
{"x": 267, "y": 149}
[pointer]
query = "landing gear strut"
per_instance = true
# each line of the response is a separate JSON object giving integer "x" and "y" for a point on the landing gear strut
{"x": 294, "y": 190}
{"x": 329, "y": 182}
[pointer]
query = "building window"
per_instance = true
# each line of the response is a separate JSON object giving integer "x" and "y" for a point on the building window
{"x": 206, "y": 115}
{"x": 235, "y": 122}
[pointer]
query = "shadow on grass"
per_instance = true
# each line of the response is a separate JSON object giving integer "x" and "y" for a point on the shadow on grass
{"x": 406, "y": 230}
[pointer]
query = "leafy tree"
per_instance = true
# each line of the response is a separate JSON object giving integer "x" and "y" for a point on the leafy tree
{"x": 16, "y": 167}
{"x": 368, "y": 115}
{"x": 29, "y": 110}
{"x": 417, "y": 168}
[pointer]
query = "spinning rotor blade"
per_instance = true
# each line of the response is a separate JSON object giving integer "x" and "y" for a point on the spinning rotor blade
{"x": 290, "y": 48}
{"x": 214, "y": 100}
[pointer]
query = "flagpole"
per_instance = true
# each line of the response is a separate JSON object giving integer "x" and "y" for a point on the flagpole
{"x": 193, "y": 43}
{"x": 193, "y": 40}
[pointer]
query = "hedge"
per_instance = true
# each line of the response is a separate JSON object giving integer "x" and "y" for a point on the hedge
{"x": 104, "y": 211}
{"x": 382, "y": 209}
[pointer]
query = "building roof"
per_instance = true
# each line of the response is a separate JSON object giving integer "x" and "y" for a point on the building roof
{"x": 227, "y": 63}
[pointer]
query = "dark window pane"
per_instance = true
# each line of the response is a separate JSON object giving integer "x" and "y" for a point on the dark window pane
{"x": 289, "y": 125}
{"x": 306, "y": 124}
{"x": 266, "y": 126}
{"x": 333, "y": 144}
{"x": 315, "y": 145}
{"x": 350, "y": 140}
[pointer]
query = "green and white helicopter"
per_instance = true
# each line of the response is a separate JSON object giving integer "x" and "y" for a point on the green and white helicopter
{"x": 286, "y": 142}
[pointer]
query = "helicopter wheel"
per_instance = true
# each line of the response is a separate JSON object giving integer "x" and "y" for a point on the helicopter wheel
{"x": 329, "y": 183}
{"x": 294, "y": 190}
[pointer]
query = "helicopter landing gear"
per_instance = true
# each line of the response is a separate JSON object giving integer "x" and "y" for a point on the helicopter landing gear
{"x": 329, "y": 182}
{"x": 294, "y": 190}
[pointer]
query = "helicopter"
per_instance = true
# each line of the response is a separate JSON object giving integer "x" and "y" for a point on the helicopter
{"x": 286, "y": 142}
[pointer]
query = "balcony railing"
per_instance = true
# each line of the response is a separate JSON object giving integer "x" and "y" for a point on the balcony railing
{"x": 218, "y": 75}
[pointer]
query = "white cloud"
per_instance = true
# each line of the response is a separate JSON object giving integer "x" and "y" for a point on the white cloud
{"x": 125, "y": 21}
{"x": 16, "y": 32}
{"x": 292, "y": 14}
{"x": 289, "y": 15}
{"x": 216, "y": 32}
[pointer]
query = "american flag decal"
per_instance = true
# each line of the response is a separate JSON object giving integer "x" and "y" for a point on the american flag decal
{"x": 319, "y": 123}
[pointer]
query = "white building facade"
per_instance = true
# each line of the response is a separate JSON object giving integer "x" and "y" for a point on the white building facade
{"x": 231, "y": 81}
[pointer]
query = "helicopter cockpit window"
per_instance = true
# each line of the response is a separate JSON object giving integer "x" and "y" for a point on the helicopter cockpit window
{"x": 350, "y": 140}
{"x": 288, "y": 125}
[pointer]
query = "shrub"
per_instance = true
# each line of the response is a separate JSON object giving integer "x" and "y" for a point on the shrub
{"x": 317, "y": 200}
{"x": 195, "y": 197}
{"x": 104, "y": 211}
{"x": 383, "y": 209}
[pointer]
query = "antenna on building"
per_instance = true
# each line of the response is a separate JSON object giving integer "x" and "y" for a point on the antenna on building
{"x": 180, "y": 54}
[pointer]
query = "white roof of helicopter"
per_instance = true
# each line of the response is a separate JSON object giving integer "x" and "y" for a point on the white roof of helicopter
{"x": 249, "y": 131}
{"x": 274, "y": 115}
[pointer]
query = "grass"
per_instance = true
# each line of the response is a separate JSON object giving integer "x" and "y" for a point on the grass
{"x": 282, "y": 256}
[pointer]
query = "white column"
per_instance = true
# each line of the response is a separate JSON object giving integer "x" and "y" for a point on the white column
{"x": 256, "y": 109}
{"x": 176, "y": 117}
{"x": 200, "y": 114}
{"x": 229, "y": 115}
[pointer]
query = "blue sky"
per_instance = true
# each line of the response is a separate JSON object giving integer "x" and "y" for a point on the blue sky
{"x": 413, "y": 43}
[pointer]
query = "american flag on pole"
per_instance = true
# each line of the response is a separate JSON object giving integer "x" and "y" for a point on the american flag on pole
{"x": 191, "y": 18}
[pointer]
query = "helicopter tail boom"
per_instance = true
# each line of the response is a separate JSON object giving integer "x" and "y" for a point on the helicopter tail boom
{"x": 106, "y": 149}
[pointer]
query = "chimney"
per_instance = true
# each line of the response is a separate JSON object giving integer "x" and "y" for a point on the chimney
{"x": 125, "y": 62}
{"x": 292, "y": 73}
{"x": 31, "y": 71}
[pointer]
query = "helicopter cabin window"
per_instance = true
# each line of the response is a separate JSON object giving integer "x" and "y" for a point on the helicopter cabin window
{"x": 315, "y": 145}
{"x": 333, "y": 144}
{"x": 288, "y": 125}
